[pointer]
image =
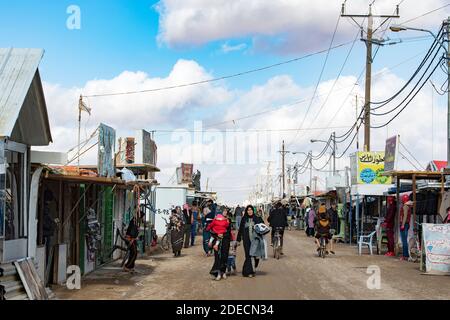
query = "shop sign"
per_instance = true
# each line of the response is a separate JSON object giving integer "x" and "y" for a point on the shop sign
{"x": 436, "y": 243}
{"x": 370, "y": 167}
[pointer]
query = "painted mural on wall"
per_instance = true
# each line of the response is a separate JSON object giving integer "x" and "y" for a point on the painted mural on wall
{"x": 93, "y": 234}
{"x": 106, "y": 148}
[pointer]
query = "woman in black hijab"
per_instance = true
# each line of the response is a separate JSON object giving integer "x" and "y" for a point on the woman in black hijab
{"x": 219, "y": 268}
{"x": 247, "y": 234}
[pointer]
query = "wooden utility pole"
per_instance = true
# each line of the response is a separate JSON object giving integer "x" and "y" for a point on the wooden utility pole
{"x": 369, "y": 41}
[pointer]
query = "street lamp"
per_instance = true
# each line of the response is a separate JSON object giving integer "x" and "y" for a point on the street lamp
{"x": 308, "y": 155}
{"x": 446, "y": 23}
{"x": 333, "y": 138}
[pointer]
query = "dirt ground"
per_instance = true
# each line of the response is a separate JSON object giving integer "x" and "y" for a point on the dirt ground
{"x": 299, "y": 274}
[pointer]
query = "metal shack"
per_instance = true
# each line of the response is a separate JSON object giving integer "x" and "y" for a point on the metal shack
{"x": 23, "y": 123}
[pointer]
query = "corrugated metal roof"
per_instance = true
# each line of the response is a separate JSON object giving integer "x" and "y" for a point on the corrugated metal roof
{"x": 23, "y": 111}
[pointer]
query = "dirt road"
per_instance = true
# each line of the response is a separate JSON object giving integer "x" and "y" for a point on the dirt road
{"x": 299, "y": 274}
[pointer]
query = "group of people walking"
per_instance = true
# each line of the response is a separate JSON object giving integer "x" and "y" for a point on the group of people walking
{"x": 221, "y": 235}
{"x": 184, "y": 227}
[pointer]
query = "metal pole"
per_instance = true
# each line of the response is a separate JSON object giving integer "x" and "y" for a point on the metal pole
{"x": 282, "y": 170}
{"x": 79, "y": 130}
{"x": 357, "y": 217}
{"x": 357, "y": 127}
{"x": 334, "y": 153}
{"x": 368, "y": 82}
{"x": 448, "y": 92}
{"x": 310, "y": 171}
{"x": 350, "y": 215}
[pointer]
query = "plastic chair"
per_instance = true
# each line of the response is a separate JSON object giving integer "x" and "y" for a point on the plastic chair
{"x": 366, "y": 240}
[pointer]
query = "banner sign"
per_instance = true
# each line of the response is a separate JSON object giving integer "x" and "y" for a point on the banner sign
{"x": 391, "y": 153}
{"x": 370, "y": 167}
{"x": 436, "y": 243}
{"x": 106, "y": 147}
{"x": 186, "y": 172}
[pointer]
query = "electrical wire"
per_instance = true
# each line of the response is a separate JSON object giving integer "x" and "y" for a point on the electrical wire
{"x": 318, "y": 80}
{"x": 396, "y": 115}
{"x": 409, "y": 94}
{"x": 222, "y": 77}
{"x": 326, "y": 163}
{"x": 423, "y": 62}
{"x": 337, "y": 78}
{"x": 406, "y": 149}
{"x": 426, "y": 13}
{"x": 406, "y": 158}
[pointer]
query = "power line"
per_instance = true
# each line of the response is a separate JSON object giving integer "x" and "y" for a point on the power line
{"x": 320, "y": 78}
{"x": 222, "y": 77}
{"x": 405, "y": 157}
{"x": 433, "y": 46}
{"x": 404, "y": 147}
{"x": 409, "y": 94}
{"x": 337, "y": 78}
{"x": 396, "y": 115}
{"x": 426, "y": 13}
{"x": 251, "y": 130}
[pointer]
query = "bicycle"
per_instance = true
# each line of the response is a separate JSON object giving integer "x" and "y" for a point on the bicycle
{"x": 414, "y": 245}
{"x": 166, "y": 239}
{"x": 323, "y": 247}
{"x": 277, "y": 243}
{"x": 116, "y": 246}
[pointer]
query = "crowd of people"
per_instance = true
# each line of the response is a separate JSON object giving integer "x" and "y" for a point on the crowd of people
{"x": 223, "y": 229}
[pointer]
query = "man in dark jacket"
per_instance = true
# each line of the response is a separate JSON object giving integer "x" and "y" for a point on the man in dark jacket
{"x": 131, "y": 236}
{"x": 278, "y": 220}
{"x": 332, "y": 212}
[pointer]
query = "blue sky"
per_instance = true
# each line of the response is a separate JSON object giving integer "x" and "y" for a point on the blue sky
{"x": 122, "y": 35}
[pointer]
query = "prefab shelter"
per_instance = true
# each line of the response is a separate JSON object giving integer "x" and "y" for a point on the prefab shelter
{"x": 23, "y": 123}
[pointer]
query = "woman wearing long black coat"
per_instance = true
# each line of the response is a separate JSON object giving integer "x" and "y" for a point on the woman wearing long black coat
{"x": 246, "y": 233}
{"x": 176, "y": 233}
{"x": 219, "y": 268}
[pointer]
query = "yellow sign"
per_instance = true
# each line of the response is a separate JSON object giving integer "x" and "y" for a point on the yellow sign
{"x": 370, "y": 168}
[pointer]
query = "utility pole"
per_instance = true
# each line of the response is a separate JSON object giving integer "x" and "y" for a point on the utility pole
{"x": 357, "y": 127}
{"x": 448, "y": 91}
{"x": 334, "y": 153}
{"x": 207, "y": 182}
{"x": 310, "y": 171}
{"x": 315, "y": 185}
{"x": 283, "y": 153}
{"x": 369, "y": 41}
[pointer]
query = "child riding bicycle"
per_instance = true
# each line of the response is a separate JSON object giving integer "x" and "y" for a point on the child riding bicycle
{"x": 323, "y": 226}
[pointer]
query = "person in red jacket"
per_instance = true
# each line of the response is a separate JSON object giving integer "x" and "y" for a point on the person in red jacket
{"x": 389, "y": 222}
{"x": 217, "y": 227}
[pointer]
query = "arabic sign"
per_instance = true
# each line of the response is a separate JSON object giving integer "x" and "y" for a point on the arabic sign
{"x": 390, "y": 159}
{"x": 106, "y": 144}
{"x": 370, "y": 166}
{"x": 436, "y": 242}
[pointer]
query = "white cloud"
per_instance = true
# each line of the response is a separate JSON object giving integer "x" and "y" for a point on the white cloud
{"x": 285, "y": 26}
{"x": 226, "y": 48}
{"x": 233, "y": 179}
